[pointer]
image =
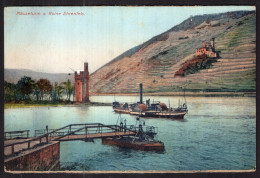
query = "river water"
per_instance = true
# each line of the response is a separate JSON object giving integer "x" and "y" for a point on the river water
{"x": 218, "y": 133}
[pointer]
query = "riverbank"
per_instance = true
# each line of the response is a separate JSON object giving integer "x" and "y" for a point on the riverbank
{"x": 19, "y": 105}
{"x": 190, "y": 94}
{"x": 193, "y": 94}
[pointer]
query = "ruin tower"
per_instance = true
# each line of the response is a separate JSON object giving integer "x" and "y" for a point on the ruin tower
{"x": 82, "y": 85}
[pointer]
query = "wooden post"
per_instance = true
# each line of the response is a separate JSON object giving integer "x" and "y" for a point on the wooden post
{"x": 40, "y": 139}
{"x": 86, "y": 132}
{"x": 29, "y": 144}
{"x": 47, "y": 134}
{"x": 13, "y": 149}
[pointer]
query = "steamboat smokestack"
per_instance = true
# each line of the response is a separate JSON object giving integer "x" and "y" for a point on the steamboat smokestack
{"x": 141, "y": 93}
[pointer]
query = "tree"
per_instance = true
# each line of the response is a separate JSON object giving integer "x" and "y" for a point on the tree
{"x": 10, "y": 92}
{"x": 45, "y": 87}
{"x": 60, "y": 90}
{"x": 25, "y": 87}
{"x": 68, "y": 88}
{"x": 36, "y": 91}
{"x": 57, "y": 92}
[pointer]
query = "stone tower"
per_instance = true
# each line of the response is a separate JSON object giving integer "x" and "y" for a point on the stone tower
{"x": 82, "y": 85}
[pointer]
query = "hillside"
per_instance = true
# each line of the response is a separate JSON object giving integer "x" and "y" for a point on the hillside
{"x": 155, "y": 62}
{"x": 13, "y": 75}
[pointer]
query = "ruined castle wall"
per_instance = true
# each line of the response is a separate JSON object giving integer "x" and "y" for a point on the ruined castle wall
{"x": 200, "y": 51}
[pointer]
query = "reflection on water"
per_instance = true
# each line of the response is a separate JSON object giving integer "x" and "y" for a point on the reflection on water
{"x": 217, "y": 133}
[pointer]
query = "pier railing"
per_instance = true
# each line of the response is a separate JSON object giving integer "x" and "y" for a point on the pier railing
{"x": 16, "y": 134}
{"x": 44, "y": 136}
{"x": 92, "y": 128}
{"x": 95, "y": 130}
{"x": 26, "y": 144}
{"x": 69, "y": 129}
{"x": 148, "y": 130}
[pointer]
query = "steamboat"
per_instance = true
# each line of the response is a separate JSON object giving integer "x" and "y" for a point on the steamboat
{"x": 157, "y": 109}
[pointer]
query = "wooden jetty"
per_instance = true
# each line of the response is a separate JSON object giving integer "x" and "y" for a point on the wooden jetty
{"x": 67, "y": 133}
{"x": 44, "y": 145}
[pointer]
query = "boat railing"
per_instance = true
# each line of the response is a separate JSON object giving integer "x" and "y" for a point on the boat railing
{"x": 146, "y": 129}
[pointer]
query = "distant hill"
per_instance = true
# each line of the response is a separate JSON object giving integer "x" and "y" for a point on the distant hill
{"x": 13, "y": 75}
{"x": 154, "y": 62}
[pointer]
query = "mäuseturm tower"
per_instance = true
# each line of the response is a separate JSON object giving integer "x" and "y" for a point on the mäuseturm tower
{"x": 82, "y": 85}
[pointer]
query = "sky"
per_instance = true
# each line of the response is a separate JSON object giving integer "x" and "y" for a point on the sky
{"x": 61, "y": 43}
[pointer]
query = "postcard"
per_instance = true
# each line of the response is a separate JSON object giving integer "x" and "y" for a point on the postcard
{"x": 130, "y": 88}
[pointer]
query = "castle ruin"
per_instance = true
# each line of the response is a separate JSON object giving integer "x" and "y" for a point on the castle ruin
{"x": 208, "y": 49}
{"x": 82, "y": 85}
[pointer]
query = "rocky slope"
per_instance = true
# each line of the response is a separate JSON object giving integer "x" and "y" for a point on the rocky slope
{"x": 155, "y": 62}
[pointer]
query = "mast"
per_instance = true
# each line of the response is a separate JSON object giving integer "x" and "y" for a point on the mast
{"x": 141, "y": 93}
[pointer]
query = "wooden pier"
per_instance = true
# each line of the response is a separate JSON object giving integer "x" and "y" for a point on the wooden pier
{"x": 67, "y": 133}
{"x": 19, "y": 147}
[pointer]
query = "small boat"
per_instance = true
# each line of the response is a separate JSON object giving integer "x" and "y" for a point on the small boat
{"x": 157, "y": 109}
{"x": 143, "y": 140}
